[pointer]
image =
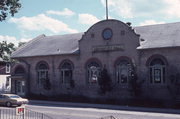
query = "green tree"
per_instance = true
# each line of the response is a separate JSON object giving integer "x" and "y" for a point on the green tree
{"x": 8, "y": 7}
{"x": 6, "y": 49}
{"x": 104, "y": 81}
{"x": 136, "y": 84}
{"x": 21, "y": 44}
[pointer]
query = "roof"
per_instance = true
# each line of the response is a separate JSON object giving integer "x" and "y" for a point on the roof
{"x": 49, "y": 45}
{"x": 159, "y": 36}
{"x": 151, "y": 36}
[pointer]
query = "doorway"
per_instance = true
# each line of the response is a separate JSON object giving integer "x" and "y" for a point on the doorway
{"x": 20, "y": 87}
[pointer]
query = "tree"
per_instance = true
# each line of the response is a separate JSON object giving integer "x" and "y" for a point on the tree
{"x": 104, "y": 81}
{"x": 136, "y": 84}
{"x": 8, "y": 7}
{"x": 21, "y": 44}
{"x": 6, "y": 49}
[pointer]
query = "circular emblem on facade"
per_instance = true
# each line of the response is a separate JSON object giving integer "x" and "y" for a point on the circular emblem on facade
{"x": 107, "y": 34}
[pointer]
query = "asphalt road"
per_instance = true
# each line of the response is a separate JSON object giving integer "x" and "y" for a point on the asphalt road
{"x": 95, "y": 111}
{"x": 59, "y": 110}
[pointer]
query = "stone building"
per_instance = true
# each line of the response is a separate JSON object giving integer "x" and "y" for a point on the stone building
{"x": 141, "y": 61}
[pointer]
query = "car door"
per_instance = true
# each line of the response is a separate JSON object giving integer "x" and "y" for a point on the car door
{"x": 2, "y": 99}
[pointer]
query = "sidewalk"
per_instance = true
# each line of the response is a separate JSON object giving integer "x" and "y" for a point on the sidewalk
{"x": 104, "y": 106}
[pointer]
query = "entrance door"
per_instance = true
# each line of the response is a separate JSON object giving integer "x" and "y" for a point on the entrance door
{"x": 20, "y": 87}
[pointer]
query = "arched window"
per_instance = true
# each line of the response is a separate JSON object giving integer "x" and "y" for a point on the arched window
{"x": 66, "y": 72}
{"x": 93, "y": 72}
{"x": 19, "y": 71}
{"x": 123, "y": 71}
{"x": 157, "y": 71}
{"x": 42, "y": 73}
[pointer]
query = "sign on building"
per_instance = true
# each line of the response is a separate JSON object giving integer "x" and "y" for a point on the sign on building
{"x": 108, "y": 48}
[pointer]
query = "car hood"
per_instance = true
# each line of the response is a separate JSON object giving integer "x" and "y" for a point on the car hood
{"x": 19, "y": 99}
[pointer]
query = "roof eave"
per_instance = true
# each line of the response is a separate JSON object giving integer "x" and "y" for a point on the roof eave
{"x": 140, "y": 48}
{"x": 16, "y": 57}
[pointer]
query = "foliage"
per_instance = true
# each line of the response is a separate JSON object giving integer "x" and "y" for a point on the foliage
{"x": 8, "y": 7}
{"x": 136, "y": 86}
{"x": 104, "y": 81}
{"x": 21, "y": 44}
{"x": 6, "y": 49}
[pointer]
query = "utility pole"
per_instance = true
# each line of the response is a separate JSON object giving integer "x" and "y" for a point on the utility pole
{"x": 106, "y": 9}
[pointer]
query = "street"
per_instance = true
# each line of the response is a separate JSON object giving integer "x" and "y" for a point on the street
{"x": 95, "y": 111}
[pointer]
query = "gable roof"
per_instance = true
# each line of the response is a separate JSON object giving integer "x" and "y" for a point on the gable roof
{"x": 159, "y": 36}
{"x": 151, "y": 36}
{"x": 49, "y": 45}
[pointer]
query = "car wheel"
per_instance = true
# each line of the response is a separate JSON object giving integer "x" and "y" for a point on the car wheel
{"x": 8, "y": 104}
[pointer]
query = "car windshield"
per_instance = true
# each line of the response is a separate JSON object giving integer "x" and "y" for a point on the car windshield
{"x": 14, "y": 96}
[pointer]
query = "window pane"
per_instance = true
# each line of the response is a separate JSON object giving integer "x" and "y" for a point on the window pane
{"x": 18, "y": 86}
{"x": 61, "y": 77}
{"x": 42, "y": 74}
{"x": 67, "y": 76}
{"x": 42, "y": 66}
{"x": 157, "y": 71}
{"x": 19, "y": 71}
{"x": 66, "y": 65}
{"x": 124, "y": 75}
{"x": 163, "y": 74}
{"x": 151, "y": 74}
{"x": 156, "y": 62}
{"x": 66, "y": 72}
{"x": 7, "y": 68}
{"x": 157, "y": 75}
{"x": 123, "y": 70}
{"x": 93, "y": 72}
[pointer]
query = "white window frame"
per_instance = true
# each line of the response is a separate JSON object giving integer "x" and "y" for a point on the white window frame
{"x": 162, "y": 77}
{"x": 93, "y": 74}
{"x": 119, "y": 69}
{"x": 8, "y": 83}
{"x": 8, "y": 68}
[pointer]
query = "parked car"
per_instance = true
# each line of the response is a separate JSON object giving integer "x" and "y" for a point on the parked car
{"x": 12, "y": 99}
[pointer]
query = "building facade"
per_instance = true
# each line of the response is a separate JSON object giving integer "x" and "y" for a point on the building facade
{"x": 5, "y": 80}
{"x": 141, "y": 62}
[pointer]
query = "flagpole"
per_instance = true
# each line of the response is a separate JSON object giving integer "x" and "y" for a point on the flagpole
{"x": 106, "y": 10}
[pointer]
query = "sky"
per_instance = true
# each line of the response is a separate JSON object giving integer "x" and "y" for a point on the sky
{"x": 58, "y": 17}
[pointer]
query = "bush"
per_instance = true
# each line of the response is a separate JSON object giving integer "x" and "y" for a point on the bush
{"x": 136, "y": 86}
{"x": 104, "y": 81}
